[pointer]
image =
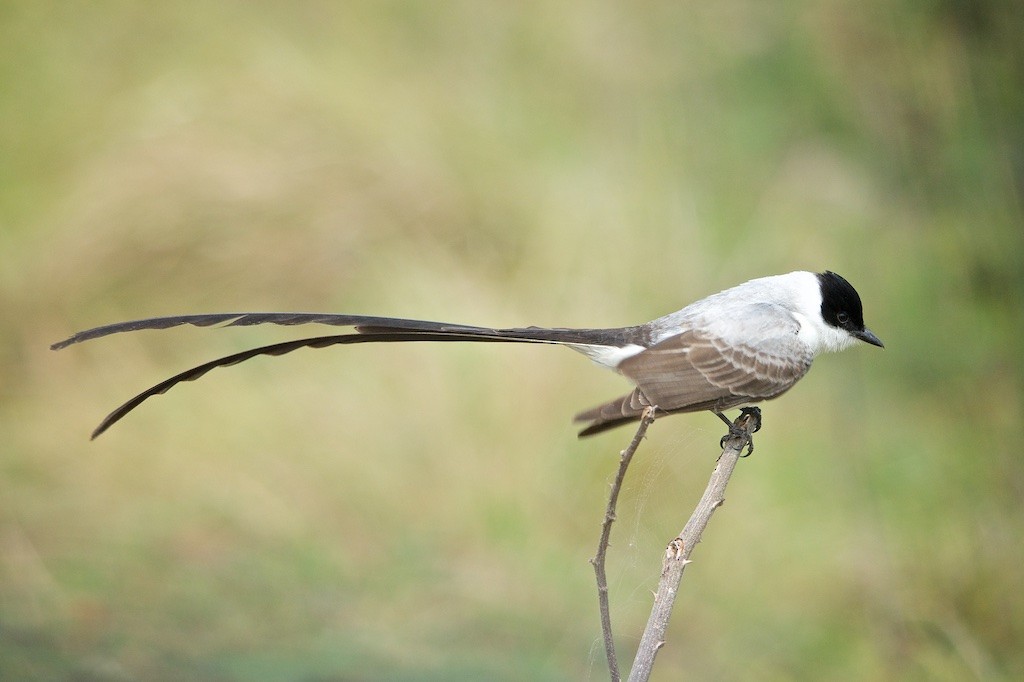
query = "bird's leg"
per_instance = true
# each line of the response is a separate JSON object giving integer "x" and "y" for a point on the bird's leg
{"x": 736, "y": 431}
{"x": 728, "y": 422}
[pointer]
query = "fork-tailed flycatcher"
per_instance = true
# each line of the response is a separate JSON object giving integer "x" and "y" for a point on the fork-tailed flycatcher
{"x": 740, "y": 346}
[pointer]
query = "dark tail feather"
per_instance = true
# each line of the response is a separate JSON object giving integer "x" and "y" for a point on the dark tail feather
{"x": 365, "y": 323}
{"x": 369, "y": 329}
{"x": 287, "y": 347}
{"x": 615, "y": 413}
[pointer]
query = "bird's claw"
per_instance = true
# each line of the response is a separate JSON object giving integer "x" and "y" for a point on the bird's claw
{"x": 741, "y": 429}
{"x": 753, "y": 413}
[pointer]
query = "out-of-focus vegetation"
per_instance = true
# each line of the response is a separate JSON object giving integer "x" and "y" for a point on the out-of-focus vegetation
{"x": 426, "y": 512}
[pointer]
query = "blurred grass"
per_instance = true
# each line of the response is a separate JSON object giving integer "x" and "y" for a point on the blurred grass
{"x": 426, "y": 512}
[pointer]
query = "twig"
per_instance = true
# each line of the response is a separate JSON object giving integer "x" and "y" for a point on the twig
{"x": 677, "y": 554}
{"x": 602, "y": 547}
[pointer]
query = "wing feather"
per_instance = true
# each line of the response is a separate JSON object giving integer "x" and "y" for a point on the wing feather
{"x": 694, "y": 370}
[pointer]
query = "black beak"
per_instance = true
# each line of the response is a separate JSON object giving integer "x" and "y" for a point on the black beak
{"x": 868, "y": 336}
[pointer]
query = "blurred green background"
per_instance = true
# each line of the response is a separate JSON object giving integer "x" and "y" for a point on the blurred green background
{"x": 426, "y": 512}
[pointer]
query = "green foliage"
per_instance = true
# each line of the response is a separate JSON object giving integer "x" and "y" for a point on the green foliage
{"x": 426, "y": 512}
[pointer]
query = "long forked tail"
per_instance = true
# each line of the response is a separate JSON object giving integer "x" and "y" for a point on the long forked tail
{"x": 368, "y": 329}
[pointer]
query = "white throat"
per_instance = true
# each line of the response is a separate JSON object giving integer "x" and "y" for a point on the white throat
{"x": 821, "y": 337}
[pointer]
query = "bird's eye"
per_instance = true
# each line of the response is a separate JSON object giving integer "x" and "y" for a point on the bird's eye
{"x": 843, "y": 317}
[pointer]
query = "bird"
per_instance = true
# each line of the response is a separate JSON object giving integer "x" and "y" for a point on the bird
{"x": 735, "y": 348}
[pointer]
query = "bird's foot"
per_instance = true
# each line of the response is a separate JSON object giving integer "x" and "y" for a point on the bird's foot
{"x": 747, "y": 423}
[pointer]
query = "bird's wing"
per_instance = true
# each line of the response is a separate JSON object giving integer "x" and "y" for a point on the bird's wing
{"x": 696, "y": 370}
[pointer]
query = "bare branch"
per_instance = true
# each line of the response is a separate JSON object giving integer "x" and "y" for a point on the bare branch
{"x": 602, "y": 547}
{"x": 677, "y": 553}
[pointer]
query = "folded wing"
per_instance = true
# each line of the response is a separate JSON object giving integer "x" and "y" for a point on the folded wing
{"x": 695, "y": 371}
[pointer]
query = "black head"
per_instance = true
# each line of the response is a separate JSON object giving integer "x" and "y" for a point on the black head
{"x": 841, "y": 307}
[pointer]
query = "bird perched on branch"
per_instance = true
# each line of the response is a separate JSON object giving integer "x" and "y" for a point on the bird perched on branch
{"x": 743, "y": 345}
